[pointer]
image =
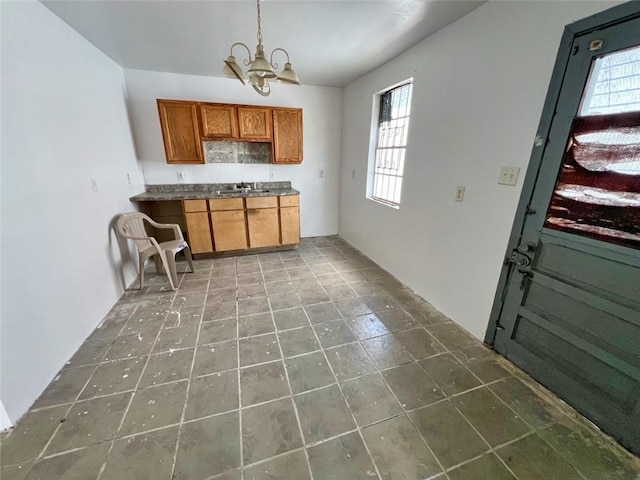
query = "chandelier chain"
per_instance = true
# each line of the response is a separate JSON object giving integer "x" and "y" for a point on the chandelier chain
{"x": 259, "y": 24}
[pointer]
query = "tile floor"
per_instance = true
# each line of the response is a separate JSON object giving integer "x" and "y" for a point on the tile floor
{"x": 303, "y": 364}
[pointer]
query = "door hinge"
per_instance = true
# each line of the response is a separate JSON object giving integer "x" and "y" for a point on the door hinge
{"x": 529, "y": 211}
{"x": 517, "y": 258}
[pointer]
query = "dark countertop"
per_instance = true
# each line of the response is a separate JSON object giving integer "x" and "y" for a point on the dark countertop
{"x": 202, "y": 191}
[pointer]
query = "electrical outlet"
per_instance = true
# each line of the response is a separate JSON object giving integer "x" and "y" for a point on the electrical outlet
{"x": 272, "y": 175}
{"x": 180, "y": 176}
{"x": 321, "y": 174}
{"x": 459, "y": 193}
{"x": 128, "y": 178}
{"x": 94, "y": 185}
{"x": 508, "y": 175}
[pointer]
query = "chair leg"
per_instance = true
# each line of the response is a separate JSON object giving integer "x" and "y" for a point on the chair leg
{"x": 169, "y": 262}
{"x": 141, "y": 264}
{"x": 187, "y": 254}
{"x": 157, "y": 261}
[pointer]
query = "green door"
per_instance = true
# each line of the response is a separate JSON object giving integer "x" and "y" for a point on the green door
{"x": 568, "y": 310}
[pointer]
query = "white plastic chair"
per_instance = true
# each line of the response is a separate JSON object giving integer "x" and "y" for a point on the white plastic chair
{"x": 131, "y": 226}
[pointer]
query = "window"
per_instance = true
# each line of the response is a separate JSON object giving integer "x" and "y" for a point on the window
{"x": 386, "y": 166}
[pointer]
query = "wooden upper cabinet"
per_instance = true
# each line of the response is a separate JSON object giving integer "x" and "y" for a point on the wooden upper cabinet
{"x": 180, "y": 131}
{"x": 255, "y": 124}
{"x": 287, "y": 135}
{"x": 219, "y": 121}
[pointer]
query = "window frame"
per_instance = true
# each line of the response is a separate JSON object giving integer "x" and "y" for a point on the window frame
{"x": 372, "y": 174}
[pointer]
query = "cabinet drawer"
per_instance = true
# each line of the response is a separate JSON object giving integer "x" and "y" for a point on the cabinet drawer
{"x": 217, "y": 204}
{"x": 262, "y": 202}
{"x": 290, "y": 201}
{"x": 194, "y": 205}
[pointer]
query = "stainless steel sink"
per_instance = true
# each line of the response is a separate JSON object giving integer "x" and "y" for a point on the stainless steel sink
{"x": 240, "y": 191}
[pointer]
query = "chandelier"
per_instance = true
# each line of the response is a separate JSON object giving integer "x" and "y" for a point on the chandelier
{"x": 260, "y": 69}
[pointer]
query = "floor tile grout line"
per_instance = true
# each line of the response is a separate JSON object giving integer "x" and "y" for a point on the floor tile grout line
{"x": 263, "y": 461}
{"x": 419, "y": 324}
{"x": 406, "y": 414}
{"x": 126, "y": 411}
{"x": 97, "y": 365}
{"x": 68, "y": 411}
{"x": 491, "y": 447}
{"x": 493, "y": 451}
{"x": 293, "y": 402}
{"x": 188, "y": 390}
{"x": 379, "y": 372}
{"x": 532, "y": 429}
{"x": 446, "y": 398}
{"x": 344, "y": 398}
{"x": 239, "y": 378}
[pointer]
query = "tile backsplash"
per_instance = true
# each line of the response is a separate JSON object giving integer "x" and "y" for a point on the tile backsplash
{"x": 237, "y": 152}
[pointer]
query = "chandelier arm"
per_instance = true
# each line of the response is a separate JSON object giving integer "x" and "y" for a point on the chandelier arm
{"x": 262, "y": 91}
{"x": 273, "y": 64}
{"x": 245, "y": 61}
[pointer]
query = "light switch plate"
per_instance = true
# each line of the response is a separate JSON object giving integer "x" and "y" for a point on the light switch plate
{"x": 459, "y": 193}
{"x": 508, "y": 175}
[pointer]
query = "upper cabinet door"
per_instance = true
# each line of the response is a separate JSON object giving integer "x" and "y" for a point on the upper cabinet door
{"x": 179, "y": 123}
{"x": 287, "y": 135}
{"x": 219, "y": 121}
{"x": 255, "y": 123}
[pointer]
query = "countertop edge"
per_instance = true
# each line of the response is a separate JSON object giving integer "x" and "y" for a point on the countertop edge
{"x": 172, "y": 196}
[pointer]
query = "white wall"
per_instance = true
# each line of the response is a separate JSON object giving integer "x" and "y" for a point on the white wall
{"x": 64, "y": 121}
{"x": 479, "y": 88}
{"x": 322, "y": 138}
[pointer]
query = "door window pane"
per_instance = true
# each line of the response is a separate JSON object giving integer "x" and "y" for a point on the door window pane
{"x": 597, "y": 193}
{"x": 614, "y": 84}
{"x": 598, "y": 189}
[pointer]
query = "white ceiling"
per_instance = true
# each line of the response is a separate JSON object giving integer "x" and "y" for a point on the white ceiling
{"x": 331, "y": 43}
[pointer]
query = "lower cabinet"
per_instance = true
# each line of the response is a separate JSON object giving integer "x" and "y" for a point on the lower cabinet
{"x": 229, "y": 231}
{"x": 262, "y": 221}
{"x": 263, "y": 227}
{"x": 290, "y": 225}
{"x": 196, "y": 217}
{"x": 199, "y": 232}
{"x": 227, "y": 224}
